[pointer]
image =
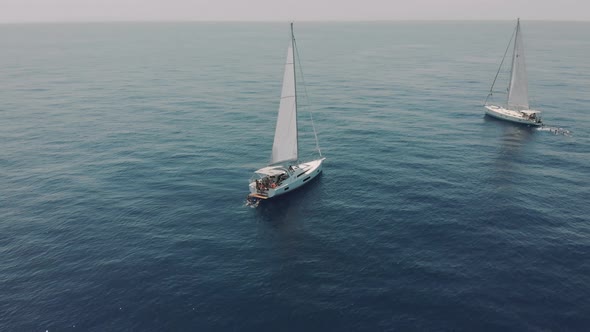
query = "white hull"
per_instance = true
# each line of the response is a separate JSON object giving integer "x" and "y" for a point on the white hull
{"x": 511, "y": 115}
{"x": 299, "y": 175}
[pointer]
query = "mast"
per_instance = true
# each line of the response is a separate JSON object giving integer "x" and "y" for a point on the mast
{"x": 295, "y": 86}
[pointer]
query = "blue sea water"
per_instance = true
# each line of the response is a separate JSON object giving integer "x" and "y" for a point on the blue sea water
{"x": 126, "y": 149}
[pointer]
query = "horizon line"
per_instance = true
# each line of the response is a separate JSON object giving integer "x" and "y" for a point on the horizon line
{"x": 286, "y": 20}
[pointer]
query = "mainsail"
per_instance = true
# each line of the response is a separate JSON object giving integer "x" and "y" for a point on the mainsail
{"x": 518, "y": 93}
{"x": 284, "y": 148}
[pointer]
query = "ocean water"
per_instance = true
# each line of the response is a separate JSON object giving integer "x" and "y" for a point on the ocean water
{"x": 126, "y": 149}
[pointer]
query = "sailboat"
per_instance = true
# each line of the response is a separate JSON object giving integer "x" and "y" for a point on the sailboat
{"x": 517, "y": 106}
{"x": 285, "y": 173}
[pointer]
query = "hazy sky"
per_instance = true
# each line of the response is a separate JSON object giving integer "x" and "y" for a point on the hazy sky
{"x": 284, "y": 10}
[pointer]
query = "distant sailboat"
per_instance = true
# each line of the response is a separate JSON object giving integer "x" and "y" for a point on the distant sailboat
{"x": 284, "y": 173}
{"x": 517, "y": 106}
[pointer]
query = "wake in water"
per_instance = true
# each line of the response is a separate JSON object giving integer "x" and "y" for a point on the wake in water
{"x": 252, "y": 202}
{"x": 556, "y": 130}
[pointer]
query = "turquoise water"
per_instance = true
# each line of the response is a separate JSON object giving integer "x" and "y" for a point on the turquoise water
{"x": 126, "y": 149}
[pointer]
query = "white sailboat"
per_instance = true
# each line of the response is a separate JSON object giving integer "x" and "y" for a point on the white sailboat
{"x": 285, "y": 173}
{"x": 517, "y": 106}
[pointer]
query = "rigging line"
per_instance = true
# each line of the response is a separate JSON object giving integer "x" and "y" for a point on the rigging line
{"x": 317, "y": 143}
{"x": 498, "y": 72}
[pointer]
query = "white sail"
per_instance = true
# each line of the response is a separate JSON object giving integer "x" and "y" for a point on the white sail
{"x": 284, "y": 148}
{"x": 518, "y": 93}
